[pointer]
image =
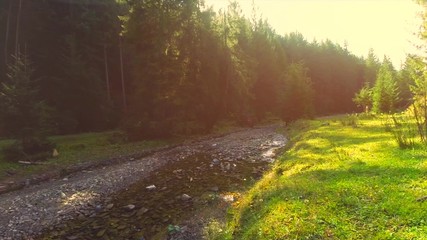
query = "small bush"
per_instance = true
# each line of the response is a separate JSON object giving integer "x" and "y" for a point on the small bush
{"x": 29, "y": 149}
{"x": 387, "y": 124}
{"x": 350, "y": 120}
{"x": 403, "y": 131}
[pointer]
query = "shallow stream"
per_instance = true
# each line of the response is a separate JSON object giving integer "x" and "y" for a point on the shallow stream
{"x": 160, "y": 202}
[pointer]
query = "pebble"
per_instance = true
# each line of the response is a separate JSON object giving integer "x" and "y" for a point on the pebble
{"x": 141, "y": 211}
{"x": 185, "y": 197}
{"x": 228, "y": 198}
{"x": 130, "y": 207}
{"x": 98, "y": 208}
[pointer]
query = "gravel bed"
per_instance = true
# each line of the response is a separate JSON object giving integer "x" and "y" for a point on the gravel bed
{"x": 26, "y": 212}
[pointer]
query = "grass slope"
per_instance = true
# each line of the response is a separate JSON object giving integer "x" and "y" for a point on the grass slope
{"x": 76, "y": 149}
{"x": 337, "y": 182}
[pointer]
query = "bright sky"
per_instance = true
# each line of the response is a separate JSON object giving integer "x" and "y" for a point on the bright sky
{"x": 387, "y": 26}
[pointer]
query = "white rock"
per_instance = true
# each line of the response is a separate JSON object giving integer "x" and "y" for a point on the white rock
{"x": 185, "y": 197}
{"x": 130, "y": 206}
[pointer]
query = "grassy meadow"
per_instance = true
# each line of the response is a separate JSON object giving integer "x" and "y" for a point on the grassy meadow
{"x": 76, "y": 149}
{"x": 341, "y": 178}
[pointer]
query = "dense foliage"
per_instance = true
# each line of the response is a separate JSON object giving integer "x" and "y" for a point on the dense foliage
{"x": 173, "y": 67}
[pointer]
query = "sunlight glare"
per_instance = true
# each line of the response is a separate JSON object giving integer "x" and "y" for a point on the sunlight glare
{"x": 389, "y": 27}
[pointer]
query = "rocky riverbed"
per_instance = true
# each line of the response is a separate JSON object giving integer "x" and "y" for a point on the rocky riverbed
{"x": 142, "y": 197}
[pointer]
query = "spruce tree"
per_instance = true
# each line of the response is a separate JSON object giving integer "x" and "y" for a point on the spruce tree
{"x": 385, "y": 93}
{"x": 22, "y": 113}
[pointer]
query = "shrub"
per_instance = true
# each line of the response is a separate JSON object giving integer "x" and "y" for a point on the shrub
{"x": 30, "y": 149}
{"x": 404, "y": 132}
{"x": 350, "y": 120}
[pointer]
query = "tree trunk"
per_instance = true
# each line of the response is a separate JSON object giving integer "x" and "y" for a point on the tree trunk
{"x": 122, "y": 75}
{"x": 17, "y": 29}
{"x": 106, "y": 73}
{"x": 6, "y": 54}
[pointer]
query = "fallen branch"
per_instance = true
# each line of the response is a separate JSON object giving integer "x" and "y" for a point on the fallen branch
{"x": 31, "y": 163}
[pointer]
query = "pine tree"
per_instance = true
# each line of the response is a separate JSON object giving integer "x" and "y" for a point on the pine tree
{"x": 416, "y": 68}
{"x": 297, "y": 99}
{"x": 364, "y": 98}
{"x": 23, "y": 115}
{"x": 385, "y": 93}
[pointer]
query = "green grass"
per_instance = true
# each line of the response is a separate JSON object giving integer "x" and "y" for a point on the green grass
{"x": 77, "y": 149}
{"x": 337, "y": 181}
